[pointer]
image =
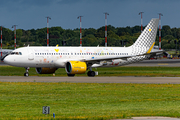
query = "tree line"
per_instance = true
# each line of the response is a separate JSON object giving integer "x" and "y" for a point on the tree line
{"x": 120, "y": 36}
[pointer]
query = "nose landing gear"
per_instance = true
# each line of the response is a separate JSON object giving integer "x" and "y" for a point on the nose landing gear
{"x": 26, "y": 74}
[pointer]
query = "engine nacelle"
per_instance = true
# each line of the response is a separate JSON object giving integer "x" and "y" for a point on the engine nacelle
{"x": 45, "y": 70}
{"x": 76, "y": 67}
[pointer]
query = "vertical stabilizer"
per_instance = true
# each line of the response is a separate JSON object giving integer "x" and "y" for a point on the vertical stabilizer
{"x": 146, "y": 40}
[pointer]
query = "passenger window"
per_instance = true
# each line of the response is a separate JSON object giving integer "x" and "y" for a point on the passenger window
{"x": 71, "y": 53}
{"x": 35, "y": 53}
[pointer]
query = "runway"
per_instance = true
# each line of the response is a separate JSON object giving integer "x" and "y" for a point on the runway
{"x": 148, "y": 80}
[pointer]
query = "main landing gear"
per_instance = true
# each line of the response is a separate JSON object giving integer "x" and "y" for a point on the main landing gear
{"x": 27, "y": 72}
{"x": 91, "y": 73}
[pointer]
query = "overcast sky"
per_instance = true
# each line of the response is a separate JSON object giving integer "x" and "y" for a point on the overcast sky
{"x": 30, "y": 14}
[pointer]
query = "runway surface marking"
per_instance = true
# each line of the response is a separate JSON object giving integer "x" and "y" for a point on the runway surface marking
{"x": 163, "y": 64}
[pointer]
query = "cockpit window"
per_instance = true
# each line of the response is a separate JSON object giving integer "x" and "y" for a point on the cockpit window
{"x": 16, "y": 53}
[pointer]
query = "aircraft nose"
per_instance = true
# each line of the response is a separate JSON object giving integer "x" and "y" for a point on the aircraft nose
{"x": 4, "y": 57}
{"x": 7, "y": 60}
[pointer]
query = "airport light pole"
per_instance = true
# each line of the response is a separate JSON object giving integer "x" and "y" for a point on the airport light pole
{"x": 14, "y": 26}
{"x": 106, "y": 28}
{"x": 160, "y": 14}
{"x": 1, "y": 42}
{"x": 141, "y": 21}
{"x": 79, "y": 17}
{"x": 48, "y": 30}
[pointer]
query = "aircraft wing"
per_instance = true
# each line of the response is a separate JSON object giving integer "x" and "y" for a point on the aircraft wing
{"x": 106, "y": 58}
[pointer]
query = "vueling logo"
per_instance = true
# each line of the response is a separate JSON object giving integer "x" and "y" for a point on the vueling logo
{"x": 56, "y": 50}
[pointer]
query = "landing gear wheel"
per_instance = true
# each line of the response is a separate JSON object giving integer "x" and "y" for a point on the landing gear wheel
{"x": 91, "y": 73}
{"x": 71, "y": 75}
{"x": 26, "y": 74}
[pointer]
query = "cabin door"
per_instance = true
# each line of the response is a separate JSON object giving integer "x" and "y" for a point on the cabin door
{"x": 30, "y": 54}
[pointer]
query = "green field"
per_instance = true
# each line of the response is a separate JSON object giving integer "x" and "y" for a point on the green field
{"x": 88, "y": 100}
{"x": 24, "y": 100}
{"x": 112, "y": 71}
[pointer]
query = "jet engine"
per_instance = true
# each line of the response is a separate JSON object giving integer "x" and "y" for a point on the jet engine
{"x": 45, "y": 70}
{"x": 76, "y": 67}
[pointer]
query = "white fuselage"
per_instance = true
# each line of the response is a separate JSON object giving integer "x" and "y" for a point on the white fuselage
{"x": 58, "y": 56}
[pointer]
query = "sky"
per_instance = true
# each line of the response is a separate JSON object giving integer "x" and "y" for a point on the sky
{"x": 31, "y": 14}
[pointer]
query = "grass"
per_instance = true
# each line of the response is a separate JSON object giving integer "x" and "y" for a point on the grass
{"x": 112, "y": 71}
{"x": 24, "y": 100}
{"x": 88, "y": 100}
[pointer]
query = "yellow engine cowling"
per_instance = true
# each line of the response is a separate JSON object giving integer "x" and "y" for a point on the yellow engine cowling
{"x": 76, "y": 67}
{"x": 46, "y": 70}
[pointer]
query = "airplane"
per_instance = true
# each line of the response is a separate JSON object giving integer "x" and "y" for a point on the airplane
{"x": 77, "y": 60}
{"x": 4, "y": 52}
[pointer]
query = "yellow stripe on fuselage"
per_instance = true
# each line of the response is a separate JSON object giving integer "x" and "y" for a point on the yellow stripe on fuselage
{"x": 150, "y": 48}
